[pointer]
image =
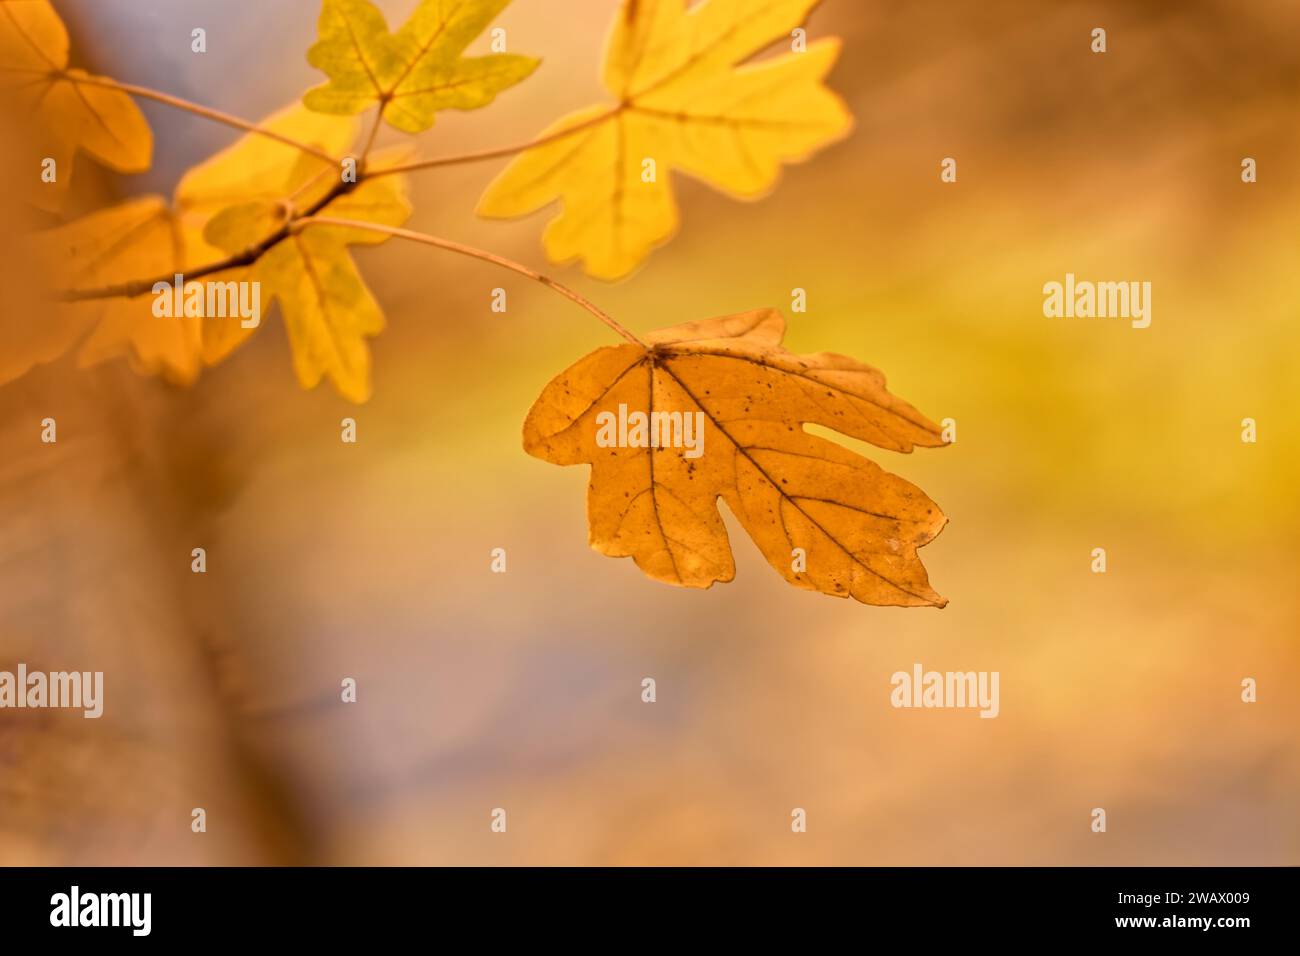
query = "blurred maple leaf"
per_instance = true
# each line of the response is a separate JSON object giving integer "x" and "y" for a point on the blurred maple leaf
{"x": 686, "y": 100}
{"x": 858, "y": 525}
{"x": 415, "y": 72}
{"x": 73, "y": 112}
{"x": 234, "y": 200}
{"x": 327, "y": 308}
{"x": 139, "y": 238}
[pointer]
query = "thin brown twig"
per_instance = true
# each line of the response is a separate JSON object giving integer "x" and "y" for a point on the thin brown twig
{"x": 236, "y": 122}
{"x": 499, "y": 151}
{"x": 206, "y": 112}
{"x": 308, "y": 216}
{"x": 475, "y": 253}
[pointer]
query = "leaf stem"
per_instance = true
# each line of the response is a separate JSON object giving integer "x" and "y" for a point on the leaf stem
{"x": 499, "y": 151}
{"x": 228, "y": 119}
{"x": 471, "y": 251}
{"x": 308, "y": 216}
{"x": 204, "y": 111}
{"x": 374, "y": 131}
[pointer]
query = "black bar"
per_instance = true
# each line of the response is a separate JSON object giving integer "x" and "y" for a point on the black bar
{"x": 333, "y": 905}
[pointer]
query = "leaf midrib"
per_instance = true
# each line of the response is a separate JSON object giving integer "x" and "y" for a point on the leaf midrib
{"x": 663, "y": 363}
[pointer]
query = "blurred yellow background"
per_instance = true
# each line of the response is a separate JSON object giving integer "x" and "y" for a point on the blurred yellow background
{"x": 522, "y": 690}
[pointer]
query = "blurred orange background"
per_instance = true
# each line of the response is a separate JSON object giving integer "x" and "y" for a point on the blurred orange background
{"x": 522, "y": 690}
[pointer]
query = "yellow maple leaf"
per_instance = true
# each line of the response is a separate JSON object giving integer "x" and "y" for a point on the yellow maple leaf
{"x": 326, "y": 306}
{"x": 70, "y": 108}
{"x": 147, "y": 239}
{"x": 237, "y": 199}
{"x": 257, "y": 167}
{"x": 722, "y": 407}
{"x": 254, "y": 169}
{"x": 686, "y": 100}
{"x": 415, "y": 72}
